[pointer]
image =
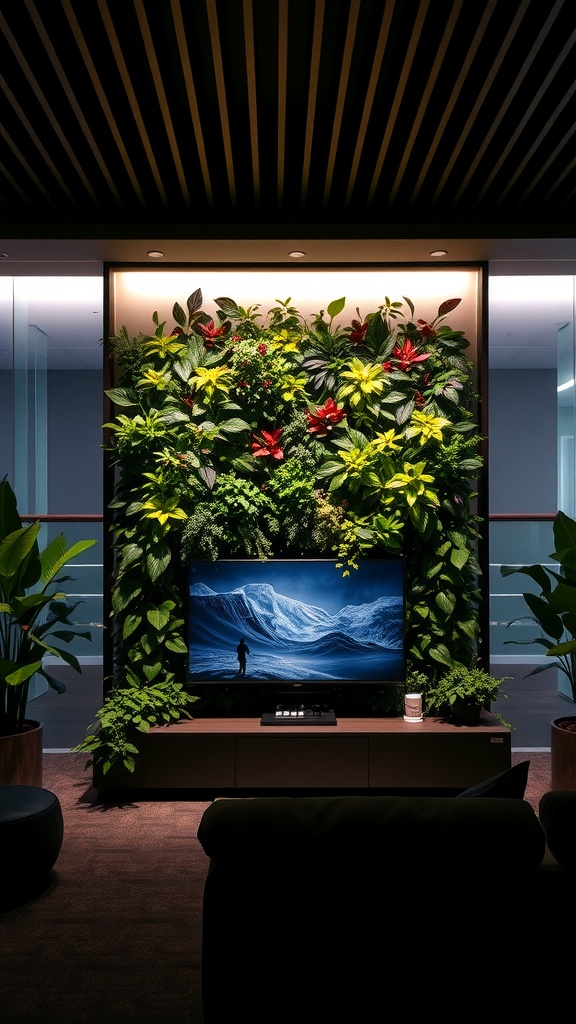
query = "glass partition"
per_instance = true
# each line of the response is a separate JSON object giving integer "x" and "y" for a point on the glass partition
{"x": 515, "y": 541}
{"x": 51, "y": 414}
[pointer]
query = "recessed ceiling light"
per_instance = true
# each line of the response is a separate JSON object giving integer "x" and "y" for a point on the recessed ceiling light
{"x": 296, "y": 254}
{"x": 4, "y": 255}
{"x": 155, "y": 254}
{"x": 439, "y": 252}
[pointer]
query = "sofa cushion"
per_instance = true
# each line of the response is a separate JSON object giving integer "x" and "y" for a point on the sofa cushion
{"x": 471, "y": 836}
{"x": 557, "y": 811}
{"x": 510, "y": 784}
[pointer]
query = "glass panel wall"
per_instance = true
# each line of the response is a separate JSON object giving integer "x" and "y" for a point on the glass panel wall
{"x": 531, "y": 444}
{"x": 51, "y": 408}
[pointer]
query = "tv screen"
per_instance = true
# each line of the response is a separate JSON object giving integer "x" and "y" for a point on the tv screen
{"x": 296, "y": 621}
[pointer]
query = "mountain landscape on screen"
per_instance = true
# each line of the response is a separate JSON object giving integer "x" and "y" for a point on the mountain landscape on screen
{"x": 300, "y": 621}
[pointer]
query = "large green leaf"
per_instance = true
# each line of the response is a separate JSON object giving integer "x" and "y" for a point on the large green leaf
{"x": 563, "y": 598}
{"x": 158, "y": 560}
{"x": 441, "y": 654}
{"x": 335, "y": 307}
{"x": 177, "y": 645}
{"x": 564, "y": 533}
{"x": 56, "y": 555}
{"x": 459, "y": 557}
{"x": 20, "y": 674}
{"x": 120, "y": 396}
{"x": 535, "y": 572}
{"x": 445, "y": 602}
{"x": 158, "y": 617}
{"x": 124, "y": 593}
{"x": 547, "y": 618}
{"x": 131, "y": 622}
{"x": 233, "y": 426}
{"x": 179, "y": 315}
{"x": 19, "y": 560}
{"x": 9, "y": 518}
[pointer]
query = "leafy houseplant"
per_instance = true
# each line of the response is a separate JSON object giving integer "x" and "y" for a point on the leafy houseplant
{"x": 463, "y": 692}
{"x": 32, "y": 613}
{"x": 238, "y": 434}
{"x": 554, "y": 611}
{"x": 554, "y": 608}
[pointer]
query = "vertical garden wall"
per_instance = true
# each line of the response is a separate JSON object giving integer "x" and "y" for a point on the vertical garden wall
{"x": 342, "y": 426}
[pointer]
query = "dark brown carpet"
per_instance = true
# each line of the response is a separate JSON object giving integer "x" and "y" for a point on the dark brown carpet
{"x": 116, "y": 935}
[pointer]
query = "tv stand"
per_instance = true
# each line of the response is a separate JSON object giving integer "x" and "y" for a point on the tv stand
{"x": 300, "y": 715}
{"x": 231, "y": 755}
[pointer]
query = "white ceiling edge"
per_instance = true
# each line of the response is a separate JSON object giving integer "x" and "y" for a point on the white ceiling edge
{"x": 87, "y": 256}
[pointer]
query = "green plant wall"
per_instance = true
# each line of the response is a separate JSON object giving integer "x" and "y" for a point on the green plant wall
{"x": 274, "y": 434}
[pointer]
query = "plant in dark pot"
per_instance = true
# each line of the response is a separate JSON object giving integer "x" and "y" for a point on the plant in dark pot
{"x": 554, "y": 611}
{"x": 34, "y": 621}
{"x": 461, "y": 693}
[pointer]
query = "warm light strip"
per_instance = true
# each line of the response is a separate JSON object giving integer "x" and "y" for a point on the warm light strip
{"x": 309, "y": 290}
{"x": 564, "y": 387}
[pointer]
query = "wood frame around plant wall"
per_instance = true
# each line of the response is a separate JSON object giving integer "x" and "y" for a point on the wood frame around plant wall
{"x": 478, "y": 354}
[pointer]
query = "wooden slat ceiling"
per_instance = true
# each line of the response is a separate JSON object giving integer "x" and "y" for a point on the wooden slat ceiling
{"x": 380, "y": 114}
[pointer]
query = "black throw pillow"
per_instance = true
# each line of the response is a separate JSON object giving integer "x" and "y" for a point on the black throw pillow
{"x": 511, "y": 783}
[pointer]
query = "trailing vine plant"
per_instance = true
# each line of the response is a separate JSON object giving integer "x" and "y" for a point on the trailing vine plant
{"x": 274, "y": 436}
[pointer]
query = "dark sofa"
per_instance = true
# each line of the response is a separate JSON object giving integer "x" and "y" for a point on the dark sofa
{"x": 329, "y": 908}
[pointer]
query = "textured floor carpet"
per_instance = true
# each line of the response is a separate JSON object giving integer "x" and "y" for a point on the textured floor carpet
{"x": 116, "y": 936}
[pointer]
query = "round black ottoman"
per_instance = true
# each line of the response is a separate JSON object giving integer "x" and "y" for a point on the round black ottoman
{"x": 31, "y": 831}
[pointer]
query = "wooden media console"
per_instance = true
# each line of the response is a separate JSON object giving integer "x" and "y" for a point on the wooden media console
{"x": 228, "y": 755}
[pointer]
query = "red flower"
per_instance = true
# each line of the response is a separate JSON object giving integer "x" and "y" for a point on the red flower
{"x": 266, "y": 383}
{"x": 326, "y": 417}
{"x": 425, "y": 329}
{"x": 268, "y": 444}
{"x": 262, "y": 349}
{"x": 407, "y": 355}
{"x": 209, "y": 332}
{"x": 419, "y": 399}
{"x": 358, "y": 331}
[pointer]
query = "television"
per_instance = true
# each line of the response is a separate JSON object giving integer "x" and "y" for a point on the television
{"x": 305, "y": 625}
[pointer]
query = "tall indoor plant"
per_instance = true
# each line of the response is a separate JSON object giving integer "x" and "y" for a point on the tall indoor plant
{"x": 34, "y": 616}
{"x": 554, "y": 611}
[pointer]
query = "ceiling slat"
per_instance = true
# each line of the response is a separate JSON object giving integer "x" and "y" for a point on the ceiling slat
{"x": 282, "y": 91}
{"x": 456, "y": 93}
{"x": 132, "y": 98}
{"x": 551, "y": 120}
{"x": 426, "y": 98}
{"x": 161, "y": 94}
{"x": 370, "y": 94}
{"x": 342, "y": 87}
{"x": 192, "y": 98}
{"x": 312, "y": 96}
{"x": 395, "y": 106}
{"x": 221, "y": 91}
{"x": 106, "y": 108}
{"x": 505, "y": 105}
{"x": 474, "y": 112}
{"x": 252, "y": 103}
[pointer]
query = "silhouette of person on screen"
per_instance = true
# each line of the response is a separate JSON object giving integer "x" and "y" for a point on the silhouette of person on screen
{"x": 242, "y": 650}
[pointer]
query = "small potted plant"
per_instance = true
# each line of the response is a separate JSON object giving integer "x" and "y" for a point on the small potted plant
{"x": 462, "y": 693}
{"x": 34, "y": 620}
{"x": 554, "y": 611}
